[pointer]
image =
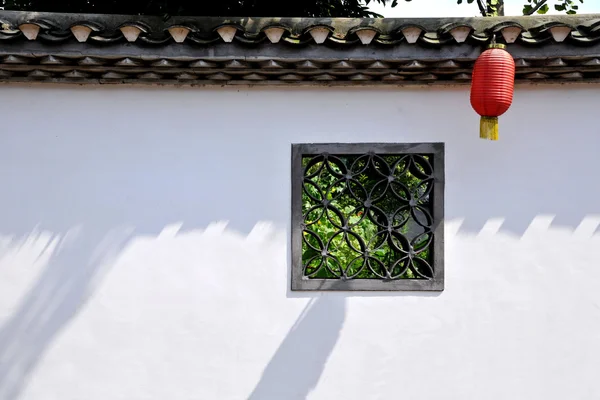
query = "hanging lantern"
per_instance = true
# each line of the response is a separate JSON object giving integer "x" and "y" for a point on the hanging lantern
{"x": 492, "y": 88}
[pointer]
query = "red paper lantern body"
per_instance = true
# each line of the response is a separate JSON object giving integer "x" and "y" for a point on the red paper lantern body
{"x": 492, "y": 88}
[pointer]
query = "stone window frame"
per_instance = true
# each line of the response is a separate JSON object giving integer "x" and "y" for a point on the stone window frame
{"x": 436, "y": 153}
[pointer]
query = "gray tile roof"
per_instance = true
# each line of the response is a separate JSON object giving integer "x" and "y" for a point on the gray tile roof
{"x": 282, "y": 51}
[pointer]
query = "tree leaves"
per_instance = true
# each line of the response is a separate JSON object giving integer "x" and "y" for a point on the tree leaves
{"x": 263, "y": 8}
{"x": 541, "y": 6}
{"x": 242, "y": 8}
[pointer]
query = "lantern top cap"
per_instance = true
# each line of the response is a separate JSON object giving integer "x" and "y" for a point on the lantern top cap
{"x": 497, "y": 46}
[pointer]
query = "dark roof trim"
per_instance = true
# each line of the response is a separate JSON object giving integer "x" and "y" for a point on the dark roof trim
{"x": 87, "y": 48}
{"x": 101, "y": 29}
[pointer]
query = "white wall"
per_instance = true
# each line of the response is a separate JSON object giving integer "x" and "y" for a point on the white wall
{"x": 119, "y": 280}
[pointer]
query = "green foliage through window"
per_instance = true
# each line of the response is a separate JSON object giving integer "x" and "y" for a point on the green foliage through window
{"x": 367, "y": 217}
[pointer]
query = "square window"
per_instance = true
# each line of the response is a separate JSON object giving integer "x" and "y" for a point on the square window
{"x": 368, "y": 216}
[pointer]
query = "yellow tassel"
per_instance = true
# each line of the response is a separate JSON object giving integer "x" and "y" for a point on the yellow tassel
{"x": 488, "y": 128}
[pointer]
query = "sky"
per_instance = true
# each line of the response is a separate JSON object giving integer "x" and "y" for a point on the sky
{"x": 449, "y": 8}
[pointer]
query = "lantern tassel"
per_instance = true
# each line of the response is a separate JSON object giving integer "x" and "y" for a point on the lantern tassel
{"x": 488, "y": 128}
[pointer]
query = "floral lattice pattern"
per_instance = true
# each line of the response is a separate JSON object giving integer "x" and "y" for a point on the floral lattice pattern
{"x": 368, "y": 216}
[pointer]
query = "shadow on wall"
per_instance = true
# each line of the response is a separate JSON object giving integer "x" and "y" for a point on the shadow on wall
{"x": 55, "y": 179}
{"x": 543, "y": 164}
{"x": 77, "y": 265}
{"x": 298, "y": 363}
{"x": 173, "y": 169}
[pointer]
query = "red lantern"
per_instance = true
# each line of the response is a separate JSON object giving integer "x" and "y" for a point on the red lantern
{"x": 492, "y": 88}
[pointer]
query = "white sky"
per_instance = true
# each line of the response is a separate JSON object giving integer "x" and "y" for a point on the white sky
{"x": 449, "y": 8}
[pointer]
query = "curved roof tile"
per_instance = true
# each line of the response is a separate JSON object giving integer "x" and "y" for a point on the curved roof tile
{"x": 55, "y": 47}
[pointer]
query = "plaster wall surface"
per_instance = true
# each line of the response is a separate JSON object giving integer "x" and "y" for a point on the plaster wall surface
{"x": 144, "y": 249}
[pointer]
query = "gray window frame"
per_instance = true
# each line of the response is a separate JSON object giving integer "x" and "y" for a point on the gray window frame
{"x": 299, "y": 283}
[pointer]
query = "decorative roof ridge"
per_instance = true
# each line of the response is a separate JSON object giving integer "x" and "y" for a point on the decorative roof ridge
{"x": 90, "y": 48}
{"x": 99, "y": 29}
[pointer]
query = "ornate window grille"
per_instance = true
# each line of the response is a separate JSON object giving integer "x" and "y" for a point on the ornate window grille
{"x": 368, "y": 216}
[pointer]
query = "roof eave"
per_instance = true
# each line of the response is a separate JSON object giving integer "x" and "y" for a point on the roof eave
{"x": 88, "y": 48}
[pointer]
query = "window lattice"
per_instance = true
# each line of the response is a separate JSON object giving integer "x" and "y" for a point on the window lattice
{"x": 368, "y": 217}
